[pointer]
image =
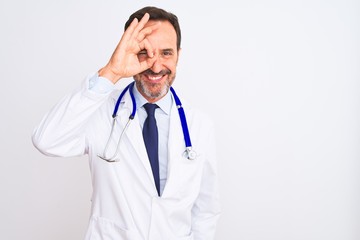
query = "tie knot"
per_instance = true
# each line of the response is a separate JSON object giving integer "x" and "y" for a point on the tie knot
{"x": 150, "y": 108}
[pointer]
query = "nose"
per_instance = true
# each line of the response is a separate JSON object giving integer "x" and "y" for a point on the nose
{"x": 157, "y": 66}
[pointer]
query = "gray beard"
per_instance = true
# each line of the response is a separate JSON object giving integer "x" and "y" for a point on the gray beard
{"x": 163, "y": 91}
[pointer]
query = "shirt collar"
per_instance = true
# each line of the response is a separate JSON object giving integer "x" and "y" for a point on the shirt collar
{"x": 165, "y": 103}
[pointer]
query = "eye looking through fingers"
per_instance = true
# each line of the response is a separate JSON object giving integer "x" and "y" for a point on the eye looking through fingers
{"x": 143, "y": 53}
{"x": 145, "y": 49}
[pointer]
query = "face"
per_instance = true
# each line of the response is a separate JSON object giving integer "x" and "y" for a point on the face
{"x": 155, "y": 82}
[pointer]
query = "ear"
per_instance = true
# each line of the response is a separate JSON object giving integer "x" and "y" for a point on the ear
{"x": 178, "y": 55}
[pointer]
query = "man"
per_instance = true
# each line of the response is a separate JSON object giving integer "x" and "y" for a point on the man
{"x": 139, "y": 191}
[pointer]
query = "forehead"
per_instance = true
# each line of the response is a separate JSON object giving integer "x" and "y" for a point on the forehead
{"x": 164, "y": 33}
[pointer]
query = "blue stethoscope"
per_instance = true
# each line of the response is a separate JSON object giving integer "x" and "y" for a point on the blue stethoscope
{"x": 189, "y": 153}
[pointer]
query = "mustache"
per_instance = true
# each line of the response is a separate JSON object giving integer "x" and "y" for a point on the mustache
{"x": 151, "y": 72}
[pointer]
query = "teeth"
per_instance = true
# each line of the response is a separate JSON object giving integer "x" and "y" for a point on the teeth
{"x": 154, "y": 78}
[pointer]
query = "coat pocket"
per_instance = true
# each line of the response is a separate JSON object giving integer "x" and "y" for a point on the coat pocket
{"x": 105, "y": 229}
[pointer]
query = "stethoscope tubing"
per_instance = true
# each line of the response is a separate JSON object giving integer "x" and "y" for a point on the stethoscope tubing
{"x": 130, "y": 87}
{"x": 182, "y": 119}
{"x": 189, "y": 153}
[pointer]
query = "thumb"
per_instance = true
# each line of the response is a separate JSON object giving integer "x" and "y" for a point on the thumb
{"x": 148, "y": 63}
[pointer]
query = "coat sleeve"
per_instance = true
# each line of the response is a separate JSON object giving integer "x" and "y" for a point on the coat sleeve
{"x": 206, "y": 210}
{"x": 62, "y": 131}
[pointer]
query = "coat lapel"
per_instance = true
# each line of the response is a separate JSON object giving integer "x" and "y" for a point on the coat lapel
{"x": 133, "y": 134}
{"x": 176, "y": 146}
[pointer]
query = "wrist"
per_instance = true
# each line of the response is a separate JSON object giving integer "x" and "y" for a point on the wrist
{"x": 107, "y": 73}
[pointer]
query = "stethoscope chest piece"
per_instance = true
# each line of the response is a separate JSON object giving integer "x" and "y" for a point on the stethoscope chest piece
{"x": 190, "y": 154}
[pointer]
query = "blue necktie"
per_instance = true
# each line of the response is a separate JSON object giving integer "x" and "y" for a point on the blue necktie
{"x": 150, "y": 134}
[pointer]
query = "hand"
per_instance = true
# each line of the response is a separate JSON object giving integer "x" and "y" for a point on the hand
{"x": 124, "y": 61}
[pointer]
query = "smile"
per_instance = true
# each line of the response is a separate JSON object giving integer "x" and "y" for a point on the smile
{"x": 154, "y": 78}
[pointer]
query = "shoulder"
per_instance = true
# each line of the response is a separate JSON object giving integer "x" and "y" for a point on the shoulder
{"x": 198, "y": 116}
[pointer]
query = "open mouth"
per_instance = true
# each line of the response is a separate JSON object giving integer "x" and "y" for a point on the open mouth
{"x": 155, "y": 77}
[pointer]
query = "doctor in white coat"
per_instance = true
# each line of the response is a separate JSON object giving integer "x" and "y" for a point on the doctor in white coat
{"x": 126, "y": 205}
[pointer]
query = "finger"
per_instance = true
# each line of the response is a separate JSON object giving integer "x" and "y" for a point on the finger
{"x": 141, "y": 24}
{"x": 145, "y": 44}
{"x": 130, "y": 30}
{"x": 146, "y": 31}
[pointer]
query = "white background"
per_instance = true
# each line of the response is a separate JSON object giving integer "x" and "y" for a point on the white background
{"x": 280, "y": 78}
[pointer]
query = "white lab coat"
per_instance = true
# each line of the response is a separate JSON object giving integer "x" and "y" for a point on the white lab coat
{"x": 125, "y": 205}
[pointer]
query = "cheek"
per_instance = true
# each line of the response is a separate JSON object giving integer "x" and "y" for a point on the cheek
{"x": 171, "y": 65}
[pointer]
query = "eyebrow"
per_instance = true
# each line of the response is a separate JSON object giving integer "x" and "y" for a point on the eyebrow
{"x": 168, "y": 49}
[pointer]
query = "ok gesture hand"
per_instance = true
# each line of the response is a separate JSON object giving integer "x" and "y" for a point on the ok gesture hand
{"x": 124, "y": 61}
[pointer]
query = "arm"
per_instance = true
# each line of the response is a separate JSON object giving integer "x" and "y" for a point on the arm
{"x": 206, "y": 210}
{"x": 62, "y": 131}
